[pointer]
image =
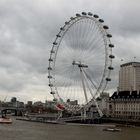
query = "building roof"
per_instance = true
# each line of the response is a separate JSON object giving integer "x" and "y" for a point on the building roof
{"x": 126, "y": 95}
{"x": 131, "y": 63}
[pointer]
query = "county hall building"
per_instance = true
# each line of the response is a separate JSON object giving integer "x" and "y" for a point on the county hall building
{"x": 125, "y": 103}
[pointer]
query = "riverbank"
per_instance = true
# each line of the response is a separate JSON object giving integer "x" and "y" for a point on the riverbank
{"x": 121, "y": 122}
{"x": 105, "y": 123}
{"x": 40, "y": 121}
{"x": 76, "y": 124}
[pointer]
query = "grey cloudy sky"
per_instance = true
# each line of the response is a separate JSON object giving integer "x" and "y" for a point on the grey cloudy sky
{"x": 28, "y": 28}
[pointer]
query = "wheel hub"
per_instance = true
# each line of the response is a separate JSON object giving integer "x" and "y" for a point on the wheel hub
{"x": 79, "y": 64}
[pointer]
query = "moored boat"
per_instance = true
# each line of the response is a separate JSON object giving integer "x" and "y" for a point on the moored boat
{"x": 112, "y": 129}
{"x": 5, "y": 120}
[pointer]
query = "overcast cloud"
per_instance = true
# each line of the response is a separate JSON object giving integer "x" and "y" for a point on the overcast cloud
{"x": 28, "y": 28}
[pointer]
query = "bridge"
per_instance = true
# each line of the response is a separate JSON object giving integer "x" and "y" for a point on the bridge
{"x": 17, "y": 110}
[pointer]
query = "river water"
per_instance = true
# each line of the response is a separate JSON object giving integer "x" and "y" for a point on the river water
{"x": 21, "y": 130}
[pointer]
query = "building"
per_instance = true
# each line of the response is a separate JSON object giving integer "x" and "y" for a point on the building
{"x": 13, "y": 100}
{"x": 129, "y": 76}
{"x": 39, "y": 104}
{"x": 74, "y": 102}
{"x": 50, "y": 104}
{"x": 125, "y": 105}
{"x": 20, "y": 104}
{"x": 103, "y": 103}
{"x": 29, "y": 103}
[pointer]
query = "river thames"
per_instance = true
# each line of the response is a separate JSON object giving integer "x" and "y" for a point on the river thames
{"x": 21, "y": 130}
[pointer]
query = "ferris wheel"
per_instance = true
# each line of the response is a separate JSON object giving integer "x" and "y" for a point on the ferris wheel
{"x": 80, "y": 61}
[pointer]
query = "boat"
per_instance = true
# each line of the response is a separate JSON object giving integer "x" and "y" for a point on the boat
{"x": 112, "y": 129}
{"x": 5, "y": 120}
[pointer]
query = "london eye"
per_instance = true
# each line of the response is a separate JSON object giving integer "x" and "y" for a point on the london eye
{"x": 80, "y": 61}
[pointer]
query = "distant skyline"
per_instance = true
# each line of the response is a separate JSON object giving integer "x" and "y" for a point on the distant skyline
{"x": 28, "y": 29}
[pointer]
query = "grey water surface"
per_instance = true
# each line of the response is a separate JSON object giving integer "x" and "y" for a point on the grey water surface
{"x": 21, "y": 130}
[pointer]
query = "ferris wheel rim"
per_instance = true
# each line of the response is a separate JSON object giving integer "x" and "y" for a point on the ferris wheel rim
{"x": 62, "y": 33}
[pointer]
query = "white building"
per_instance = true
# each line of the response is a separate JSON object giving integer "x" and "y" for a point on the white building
{"x": 125, "y": 103}
{"x": 129, "y": 76}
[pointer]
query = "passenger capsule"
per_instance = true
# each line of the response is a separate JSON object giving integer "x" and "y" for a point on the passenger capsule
{"x": 52, "y": 51}
{"x": 108, "y": 79}
{"x": 72, "y": 18}
{"x": 49, "y": 68}
{"x": 54, "y": 99}
{"x": 110, "y": 68}
{"x": 49, "y": 76}
{"x": 112, "y": 56}
{"x": 52, "y": 92}
{"x": 84, "y": 13}
{"x": 54, "y": 43}
{"x": 105, "y": 27}
{"x": 66, "y": 23}
{"x": 90, "y": 14}
{"x": 101, "y": 20}
{"x": 50, "y": 59}
{"x": 109, "y": 35}
{"x": 58, "y": 35}
{"x": 78, "y": 15}
{"x": 96, "y": 16}
{"x": 62, "y": 29}
{"x": 111, "y": 45}
{"x": 50, "y": 85}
